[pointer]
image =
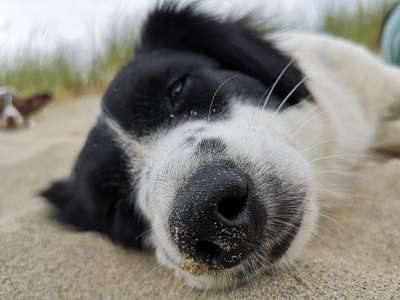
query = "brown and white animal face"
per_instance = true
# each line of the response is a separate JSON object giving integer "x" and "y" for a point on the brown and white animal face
{"x": 204, "y": 153}
{"x": 10, "y": 117}
{"x": 15, "y": 112}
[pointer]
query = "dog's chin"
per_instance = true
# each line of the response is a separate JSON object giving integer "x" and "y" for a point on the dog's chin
{"x": 215, "y": 280}
{"x": 246, "y": 272}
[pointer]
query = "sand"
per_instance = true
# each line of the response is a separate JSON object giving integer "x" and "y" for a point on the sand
{"x": 356, "y": 252}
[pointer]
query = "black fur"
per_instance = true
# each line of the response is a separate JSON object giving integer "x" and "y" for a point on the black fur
{"x": 183, "y": 59}
{"x": 210, "y": 146}
{"x": 231, "y": 43}
{"x": 98, "y": 195}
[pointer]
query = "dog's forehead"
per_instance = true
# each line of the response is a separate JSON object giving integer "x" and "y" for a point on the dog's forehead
{"x": 164, "y": 58}
{"x": 139, "y": 96}
{"x": 6, "y": 99}
{"x": 148, "y": 73}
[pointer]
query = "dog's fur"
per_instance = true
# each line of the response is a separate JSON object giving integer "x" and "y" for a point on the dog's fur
{"x": 15, "y": 111}
{"x": 294, "y": 111}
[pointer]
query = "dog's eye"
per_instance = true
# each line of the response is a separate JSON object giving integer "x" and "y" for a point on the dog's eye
{"x": 176, "y": 88}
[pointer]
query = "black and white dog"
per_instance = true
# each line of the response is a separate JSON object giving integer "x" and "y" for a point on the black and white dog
{"x": 215, "y": 145}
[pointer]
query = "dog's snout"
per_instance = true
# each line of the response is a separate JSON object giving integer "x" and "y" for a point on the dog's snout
{"x": 216, "y": 219}
{"x": 11, "y": 122}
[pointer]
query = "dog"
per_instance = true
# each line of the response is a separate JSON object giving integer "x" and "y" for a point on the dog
{"x": 15, "y": 112}
{"x": 215, "y": 144}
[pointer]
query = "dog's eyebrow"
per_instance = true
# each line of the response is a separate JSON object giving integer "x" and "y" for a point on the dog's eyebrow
{"x": 211, "y": 145}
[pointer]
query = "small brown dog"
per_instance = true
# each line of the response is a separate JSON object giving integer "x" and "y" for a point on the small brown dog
{"x": 15, "y": 111}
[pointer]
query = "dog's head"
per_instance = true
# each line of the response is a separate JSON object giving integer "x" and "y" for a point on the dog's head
{"x": 14, "y": 111}
{"x": 191, "y": 154}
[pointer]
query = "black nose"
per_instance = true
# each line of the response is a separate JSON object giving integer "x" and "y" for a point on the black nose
{"x": 216, "y": 218}
{"x": 11, "y": 122}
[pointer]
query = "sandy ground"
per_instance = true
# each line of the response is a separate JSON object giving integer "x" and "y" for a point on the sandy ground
{"x": 356, "y": 252}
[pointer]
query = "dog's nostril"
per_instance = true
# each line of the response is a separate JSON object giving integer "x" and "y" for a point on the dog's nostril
{"x": 232, "y": 206}
{"x": 207, "y": 250}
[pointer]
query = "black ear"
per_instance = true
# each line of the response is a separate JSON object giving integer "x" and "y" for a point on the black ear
{"x": 34, "y": 103}
{"x": 231, "y": 43}
{"x": 99, "y": 194}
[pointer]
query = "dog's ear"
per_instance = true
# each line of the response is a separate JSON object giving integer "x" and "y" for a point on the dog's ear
{"x": 99, "y": 195}
{"x": 33, "y": 103}
{"x": 234, "y": 45}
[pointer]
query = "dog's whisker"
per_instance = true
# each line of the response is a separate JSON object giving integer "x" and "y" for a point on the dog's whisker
{"x": 250, "y": 265}
{"x": 216, "y": 93}
{"x": 343, "y": 186}
{"x": 315, "y": 234}
{"x": 258, "y": 108}
{"x": 289, "y": 95}
{"x": 338, "y": 172}
{"x": 344, "y": 194}
{"x": 303, "y": 126}
{"x": 340, "y": 183}
{"x": 299, "y": 277}
{"x": 325, "y": 215}
{"x": 332, "y": 220}
{"x": 143, "y": 233}
{"x": 270, "y": 91}
{"x": 276, "y": 83}
{"x": 285, "y": 223}
{"x": 313, "y": 111}
{"x": 319, "y": 144}
{"x": 153, "y": 270}
{"x": 342, "y": 156}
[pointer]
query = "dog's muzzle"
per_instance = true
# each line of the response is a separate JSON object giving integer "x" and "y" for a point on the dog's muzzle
{"x": 216, "y": 218}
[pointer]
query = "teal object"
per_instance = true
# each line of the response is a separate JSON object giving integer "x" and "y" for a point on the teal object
{"x": 390, "y": 43}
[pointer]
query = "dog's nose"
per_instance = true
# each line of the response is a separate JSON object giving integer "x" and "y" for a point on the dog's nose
{"x": 216, "y": 218}
{"x": 11, "y": 122}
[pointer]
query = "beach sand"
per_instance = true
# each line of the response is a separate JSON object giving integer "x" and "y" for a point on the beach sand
{"x": 355, "y": 253}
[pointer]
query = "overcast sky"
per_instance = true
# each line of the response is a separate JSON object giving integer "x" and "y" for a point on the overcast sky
{"x": 80, "y": 25}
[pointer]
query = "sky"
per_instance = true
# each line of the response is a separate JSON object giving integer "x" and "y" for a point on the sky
{"x": 80, "y": 26}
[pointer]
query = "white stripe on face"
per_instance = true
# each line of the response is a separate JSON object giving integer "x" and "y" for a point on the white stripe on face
{"x": 10, "y": 117}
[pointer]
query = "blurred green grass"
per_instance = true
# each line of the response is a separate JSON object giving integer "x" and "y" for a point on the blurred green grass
{"x": 32, "y": 72}
{"x": 362, "y": 25}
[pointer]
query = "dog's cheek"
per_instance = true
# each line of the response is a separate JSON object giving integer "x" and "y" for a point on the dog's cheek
{"x": 128, "y": 226}
{"x": 144, "y": 193}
